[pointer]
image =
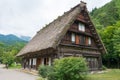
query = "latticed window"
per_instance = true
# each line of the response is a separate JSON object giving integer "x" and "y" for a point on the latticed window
{"x": 82, "y": 40}
{"x": 34, "y": 61}
{"x": 92, "y": 62}
{"x": 73, "y": 38}
{"x": 81, "y": 27}
{"x": 46, "y": 61}
{"x": 89, "y": 41}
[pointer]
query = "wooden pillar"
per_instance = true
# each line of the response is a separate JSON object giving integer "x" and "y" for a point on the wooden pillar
{"x": 49, "y": 61}
{"x": 23, "y": 63}
{"x": 30, "y": 62}
{"x": 27, "y": 62}
{"x": 34, "y": 62}
{"x": 43, "y": 61}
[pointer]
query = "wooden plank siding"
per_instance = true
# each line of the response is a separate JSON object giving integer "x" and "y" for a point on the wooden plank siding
{"x": 79, "y": 36}
{"x": 92, "y": 56}
{"x": 81, "y": 47}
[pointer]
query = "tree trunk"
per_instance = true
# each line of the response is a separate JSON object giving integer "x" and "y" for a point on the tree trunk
{"x": 6, "y": 66}
{"x": 108, "y": 63}
{"x": 118, "y": 63}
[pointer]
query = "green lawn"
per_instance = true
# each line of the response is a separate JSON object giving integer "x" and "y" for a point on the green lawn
{"x": 111, "y": 74}
{"x": 15, "y": 66}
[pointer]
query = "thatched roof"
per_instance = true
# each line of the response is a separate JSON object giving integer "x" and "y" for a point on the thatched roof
{"x": 49, "y": 36}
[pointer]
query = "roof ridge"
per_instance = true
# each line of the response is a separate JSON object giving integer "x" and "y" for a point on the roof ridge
{"x": 57, "y": 28}
{"x": 59, "y": 17}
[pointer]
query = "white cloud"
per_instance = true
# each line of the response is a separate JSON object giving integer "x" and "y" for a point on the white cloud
{"x": 26, "y": 17}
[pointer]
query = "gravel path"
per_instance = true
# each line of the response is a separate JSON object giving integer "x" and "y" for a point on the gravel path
{"x": 9, "y": 74}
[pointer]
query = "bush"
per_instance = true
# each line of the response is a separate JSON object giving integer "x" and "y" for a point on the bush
{"x": 44, "y": 71}
{"x": 104, "y": 68}
{"x": 70, "y": 68}
{"x": 8, "y": 59}
{"x": 15, "y": 66}
{"x": 52, "y": 76}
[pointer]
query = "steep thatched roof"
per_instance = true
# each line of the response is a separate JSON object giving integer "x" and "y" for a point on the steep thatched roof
{"x": 49, "y": 36}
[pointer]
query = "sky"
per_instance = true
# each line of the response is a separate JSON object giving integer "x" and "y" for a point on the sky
{"x": 26, "y": 17}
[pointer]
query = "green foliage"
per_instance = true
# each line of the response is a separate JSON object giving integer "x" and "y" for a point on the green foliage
{"x": 15, "y": 66}
{"x": 44, "y": 71}
{"x": 104, "y": 67}
{"x": 8, "y": 59}
{"x": 52, "y": 76}
{"x": 110, "y": 74}
{"x": 1, "y": 50}
{"x": 70, "y": 68}
{"x": 8, "y": 52}
{"x": 111, "y": 38}
{"x": 106, "y": 20}
{"x": 107, "y": 15}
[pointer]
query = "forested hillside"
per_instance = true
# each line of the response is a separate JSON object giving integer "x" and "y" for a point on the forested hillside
{"x": 107, "y": 22}
{"x": 10, "y": 45}
{"x": 107, "y": 15}
{"x": 10, "y": 39}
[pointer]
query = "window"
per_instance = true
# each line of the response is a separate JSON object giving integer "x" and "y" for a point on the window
{"x": 81, "y": 27}
{"x": 82, "y": 40}
{"x": 89, "y": 41}
{"x": 30, "y": 61}
{"x": 73, "y": 37}
{"x": 67, "y": 36}
{"x": 92, "y": 63}
{"x": 46, "y": 61}
{"x": 34, "y": 61}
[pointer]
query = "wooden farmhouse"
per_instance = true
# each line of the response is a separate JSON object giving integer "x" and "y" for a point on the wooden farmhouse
{"x": 72, "y": 34}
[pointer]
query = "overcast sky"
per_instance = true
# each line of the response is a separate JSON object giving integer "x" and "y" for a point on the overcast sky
{"x": 26, "y": 17}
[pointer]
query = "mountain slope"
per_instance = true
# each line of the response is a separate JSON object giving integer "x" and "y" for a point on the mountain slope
{"x": 25, "y": 38}
{"x": 107, "y": 15}
{"x": 10, "y": 39}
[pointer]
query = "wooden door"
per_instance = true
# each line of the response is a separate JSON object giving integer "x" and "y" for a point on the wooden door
{"x": 77, "y": 40}
{"x": 39, "y": 60}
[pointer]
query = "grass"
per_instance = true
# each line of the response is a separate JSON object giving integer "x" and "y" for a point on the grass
{"x": 15, "y": 66}
{"x": 40, "y": 78}
{"x": 110, "y": 74}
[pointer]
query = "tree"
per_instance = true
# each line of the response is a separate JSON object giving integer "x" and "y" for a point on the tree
{"x": 8, "y": 59}
{"x": 116, "y": 40}
{"x": 111, "y": 38}
{"x": 1, "y": 51}
{"x": 107, "y": 35}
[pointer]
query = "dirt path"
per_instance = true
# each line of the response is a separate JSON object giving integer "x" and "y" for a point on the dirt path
{"x": 8, "y": 74}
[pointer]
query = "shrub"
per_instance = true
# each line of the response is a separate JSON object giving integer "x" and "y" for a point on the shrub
{"x": 70, "y": 68}
{"x": 104, "y": 68}
{"x": 44, "y": 71}
{"x": 52, "y": 76}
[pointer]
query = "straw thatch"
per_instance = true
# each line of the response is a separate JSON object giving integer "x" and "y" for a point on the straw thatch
{"x": 49, "y": 36}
